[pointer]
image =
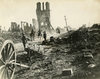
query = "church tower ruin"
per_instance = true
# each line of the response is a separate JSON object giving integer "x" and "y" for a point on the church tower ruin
{"x": 43, "y": 17}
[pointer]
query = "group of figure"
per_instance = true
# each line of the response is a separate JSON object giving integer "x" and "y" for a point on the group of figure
{"x": 32, "y": 36}
{"x": 40, "y": 35}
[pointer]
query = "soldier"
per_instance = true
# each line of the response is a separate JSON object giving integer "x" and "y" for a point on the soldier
{"x": 58, "y": 30}
{"x": 32, "y": 35}
{"x": 39, "y": 34}
{"x": 24, "y": 40}
{"x": 44, "y": 35}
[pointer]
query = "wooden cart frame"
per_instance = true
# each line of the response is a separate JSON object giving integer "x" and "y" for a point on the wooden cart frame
{"x": 8, "y": 60}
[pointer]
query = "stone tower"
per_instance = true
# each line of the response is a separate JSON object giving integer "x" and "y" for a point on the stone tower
{"x": 43, "y": 17}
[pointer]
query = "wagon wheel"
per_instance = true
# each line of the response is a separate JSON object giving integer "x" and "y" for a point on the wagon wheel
{"x": 7, "y": 58}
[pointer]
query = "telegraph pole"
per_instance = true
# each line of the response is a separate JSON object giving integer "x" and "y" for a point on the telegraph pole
{"x": 66, "y": 23}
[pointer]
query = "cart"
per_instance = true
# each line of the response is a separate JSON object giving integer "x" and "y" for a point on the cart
{"x": 8, "y": 59}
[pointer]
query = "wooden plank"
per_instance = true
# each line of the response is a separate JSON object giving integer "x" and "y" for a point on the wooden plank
{"x": 22, "y": 65}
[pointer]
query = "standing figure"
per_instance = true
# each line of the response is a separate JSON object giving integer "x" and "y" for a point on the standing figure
{"x": 44, "y": 35}
{"x": 59, "y": 31}
{"x": 39, "y": 34}
{"x": 32, "y": 35}
{"x": 24, "y": 40}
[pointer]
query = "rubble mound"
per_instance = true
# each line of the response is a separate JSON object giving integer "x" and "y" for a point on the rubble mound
{"x": 79, "y": 50}
{"x": 95, "y": 26}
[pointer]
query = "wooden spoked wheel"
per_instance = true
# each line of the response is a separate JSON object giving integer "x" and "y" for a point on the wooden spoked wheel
{"x": 7, "y": 60}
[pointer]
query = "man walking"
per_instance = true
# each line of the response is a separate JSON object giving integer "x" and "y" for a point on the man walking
{"x": 44, "y": 35}
{"x": 24, "y": 40}
{"x": 32, "y": 35}
{"x": 39, "y": 34}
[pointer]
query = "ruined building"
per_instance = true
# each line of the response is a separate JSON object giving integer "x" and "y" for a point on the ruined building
{"x": 26, "y": 27}
{"x": 34, "y": 23}
{"x": 43, "y": 17}
{"x": 0, "y": 28}
{"x": 15, "y": 27}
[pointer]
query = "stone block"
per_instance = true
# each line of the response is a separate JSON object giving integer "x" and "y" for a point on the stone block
{"x": 67, "y": 72}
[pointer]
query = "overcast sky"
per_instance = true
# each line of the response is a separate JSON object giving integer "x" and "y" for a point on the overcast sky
{"x": 77, "y": 12}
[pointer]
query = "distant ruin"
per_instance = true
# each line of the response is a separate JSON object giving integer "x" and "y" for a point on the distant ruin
{"x": 14, "y": 27}
{"x": 25, "y": 26}
{"x": 0, "y": 28}
{"x": 43, "y": 17}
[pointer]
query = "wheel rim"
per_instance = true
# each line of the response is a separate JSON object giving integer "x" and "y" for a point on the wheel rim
{"x": 8, "y": 57}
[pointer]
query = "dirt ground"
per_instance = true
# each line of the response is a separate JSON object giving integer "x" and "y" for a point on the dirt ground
{"x": 50, "y": 66}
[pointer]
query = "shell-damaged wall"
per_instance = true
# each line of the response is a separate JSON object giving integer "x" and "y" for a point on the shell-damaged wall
{"x": 43, "y": 16}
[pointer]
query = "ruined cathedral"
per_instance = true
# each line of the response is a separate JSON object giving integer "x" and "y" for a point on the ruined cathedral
{"x": 43, "y": 17}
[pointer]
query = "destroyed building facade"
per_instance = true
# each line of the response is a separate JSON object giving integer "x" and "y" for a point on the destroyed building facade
{"x": 0, "y": 28}
{"x": 26, "y": 27}
{"x": 34, "y": 23}
{"x": 15, "y": 27}
{"x": 43, "y": 17}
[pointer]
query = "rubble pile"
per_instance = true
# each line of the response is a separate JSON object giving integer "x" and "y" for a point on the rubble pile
{"x": 85, "y": 38}
{"x": 47, "y": 66}
{"x": 76, "y": 53}
{"x": 86, "y": 45}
